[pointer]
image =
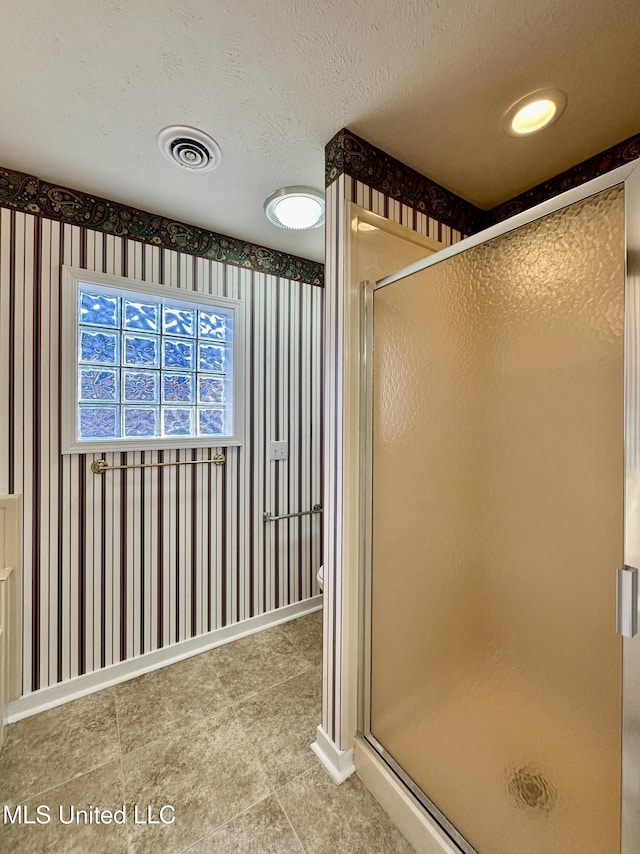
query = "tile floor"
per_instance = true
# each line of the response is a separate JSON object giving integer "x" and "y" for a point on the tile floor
{"x": 222, "y": 737}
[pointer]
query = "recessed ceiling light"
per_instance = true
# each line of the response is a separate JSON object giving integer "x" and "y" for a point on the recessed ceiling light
{"x": 534, "y": 112}
{"x": 298, "y": 208}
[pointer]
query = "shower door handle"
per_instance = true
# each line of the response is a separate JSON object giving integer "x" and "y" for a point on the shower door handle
{"x": 627, "y": 602}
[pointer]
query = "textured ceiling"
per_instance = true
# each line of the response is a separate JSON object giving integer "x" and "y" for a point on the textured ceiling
{"x": 86, "y": 85}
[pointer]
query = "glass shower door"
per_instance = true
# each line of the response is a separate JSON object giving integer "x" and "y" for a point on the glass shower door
{"x": 497, "y": 527}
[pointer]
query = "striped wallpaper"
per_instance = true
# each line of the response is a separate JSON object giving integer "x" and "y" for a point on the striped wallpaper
{"x": 341, "y": 451}
{"x": 132, "y": 561}
{"x": 386, "y": 206}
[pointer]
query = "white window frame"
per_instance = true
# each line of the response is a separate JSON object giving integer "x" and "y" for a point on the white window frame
{"x": 73, "y": 278}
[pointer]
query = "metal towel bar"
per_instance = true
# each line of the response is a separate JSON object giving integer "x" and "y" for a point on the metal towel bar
{"x": 101, "y": 466}
{"x": 268, "y": 517}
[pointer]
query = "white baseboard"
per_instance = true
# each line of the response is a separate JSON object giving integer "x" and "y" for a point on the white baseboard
{"x": 411, "y": 819}
{"x": 80, "y": 686}
{"x": 338, "y": 763}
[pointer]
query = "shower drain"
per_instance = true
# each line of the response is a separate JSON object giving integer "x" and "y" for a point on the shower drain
{"x": 529, "y": 788}
{"x": 190, "y": 148}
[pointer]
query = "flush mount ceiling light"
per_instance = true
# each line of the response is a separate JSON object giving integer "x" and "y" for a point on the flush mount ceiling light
{"x": 190, "y": 148}
{"x": 298, "y": 208}
{"x": 534, "y": 112}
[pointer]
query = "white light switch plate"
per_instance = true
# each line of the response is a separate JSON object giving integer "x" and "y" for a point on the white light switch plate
{"x": 278, "y": 450}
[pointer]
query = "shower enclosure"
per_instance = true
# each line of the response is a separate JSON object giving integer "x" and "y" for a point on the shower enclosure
{"x": 499, "y": 586}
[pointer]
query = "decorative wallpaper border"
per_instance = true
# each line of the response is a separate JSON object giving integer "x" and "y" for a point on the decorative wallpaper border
{"x": 619, "y": 154}
{"x": 30, "y": 194}
{"x": 349, "y": 154}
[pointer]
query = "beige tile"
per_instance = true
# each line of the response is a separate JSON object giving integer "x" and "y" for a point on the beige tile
{"x": 164, "y": 700}
{"x": 48, "y": 749}
{"x": 305, "y": 634}
{"x": 264, "y": 829}
{"x": 282, "y": 722}
{"x": 257, "y": 662}
{"x": 207, "y": 772}
{"x": 102, "y": 788}
{"x": 330, "y": 819}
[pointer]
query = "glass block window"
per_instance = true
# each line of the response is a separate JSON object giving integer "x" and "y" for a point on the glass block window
{"x": 148, "y": 366}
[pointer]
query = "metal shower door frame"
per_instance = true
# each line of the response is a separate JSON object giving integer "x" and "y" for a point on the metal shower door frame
{"x": 629, "y": 175}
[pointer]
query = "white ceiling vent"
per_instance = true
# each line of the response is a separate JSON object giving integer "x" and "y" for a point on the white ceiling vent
{"x": 190, "y": 148}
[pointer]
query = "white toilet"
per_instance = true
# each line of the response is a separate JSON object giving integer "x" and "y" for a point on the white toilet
{"x": 320, "y": 577}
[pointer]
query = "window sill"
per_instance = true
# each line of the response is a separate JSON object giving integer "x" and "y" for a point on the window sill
{"x": 111, "y": 447}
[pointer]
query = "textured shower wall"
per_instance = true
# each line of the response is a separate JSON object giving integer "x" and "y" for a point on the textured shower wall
{"x": 358, "y": 172}
{"x": 129, "y": 562}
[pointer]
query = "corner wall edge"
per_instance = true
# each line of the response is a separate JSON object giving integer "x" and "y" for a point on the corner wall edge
{"x": 338, "y": 763}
